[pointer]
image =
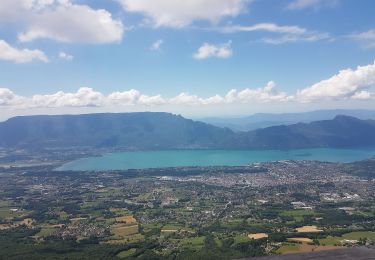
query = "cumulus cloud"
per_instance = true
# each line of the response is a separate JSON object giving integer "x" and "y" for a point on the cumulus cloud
{"x": 8, "y": 98}
{"x": 65, "y": 56}
{"x": 84, "y": 97}
{"x": 60, "y": 20}
{"x": 207, "y": 50}
{"x": 347, "y": 83}
{"x": 87, "y": 97}
{"x": 134, "y": 97}
{"x": 157, "y": 45}
{"x": 9, "y": 53}
{"x": 315, "y": 4}
{"x": 188, "y": 99}
{"x": 172, "y": 13}
{"x": 151, "y": 100}
{"x": 124, "y": 98}
{"x": 265, "y": 94}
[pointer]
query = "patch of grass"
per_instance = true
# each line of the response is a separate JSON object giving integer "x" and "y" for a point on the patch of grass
{"x": 46, "y": 231}
{"x": 126, "y": 253}
{"x": 350, "y": 236}
{"x": 120, "y": 211}
{"x": 288, "y": 248}
{"x": 241, "y": 239}
{"x": 176, "y": 227}
{"x": 129, "y": 239}
{"x": 7, "y": 213}
{"x": 193, "y": 242}
{"x": 63, "y": 215}
{"x": 123, "y": 230}
{"x": 297, "y": 214}
{"x": 5, "y": 203}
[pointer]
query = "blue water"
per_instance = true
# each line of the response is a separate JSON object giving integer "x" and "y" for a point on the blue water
{"x": 175, "y": 158}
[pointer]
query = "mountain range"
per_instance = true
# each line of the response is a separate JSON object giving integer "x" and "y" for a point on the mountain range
{"x": 167, "y": 131}
{"x": 262, "y": 120}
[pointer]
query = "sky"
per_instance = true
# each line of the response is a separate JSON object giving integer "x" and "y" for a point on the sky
{"x": 197, "y": 58}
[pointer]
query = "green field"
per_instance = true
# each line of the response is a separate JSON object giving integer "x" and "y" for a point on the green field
{"x": 287, "y": 248}
{"x": 176, "y": 226}
{"x": 193, "y": 242}
{"x": 126, "y": 253}
{"x": 241, "y": 239}
{"x": 297, "y": 214}
{"x": 330, "y": 241}
{"x": 46, "y": 231}
{"x": 7, "y": 213}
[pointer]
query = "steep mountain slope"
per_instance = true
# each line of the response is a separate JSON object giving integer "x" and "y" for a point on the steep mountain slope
{"x": 131, "y": 130}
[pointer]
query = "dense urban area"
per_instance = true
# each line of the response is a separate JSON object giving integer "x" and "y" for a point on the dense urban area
{"x": 181, "y": 213}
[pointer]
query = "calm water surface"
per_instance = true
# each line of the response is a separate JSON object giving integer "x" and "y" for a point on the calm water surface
{"x": 174, "y": 158}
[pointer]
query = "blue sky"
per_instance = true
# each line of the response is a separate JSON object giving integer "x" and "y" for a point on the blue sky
{"x": 198, "y": 58}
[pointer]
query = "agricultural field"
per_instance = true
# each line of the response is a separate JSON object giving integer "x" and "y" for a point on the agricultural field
{"x": 120, "y": 215}
{"x": 339, "y": 240}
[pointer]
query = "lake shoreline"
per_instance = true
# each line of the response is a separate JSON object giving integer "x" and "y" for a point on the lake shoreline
{"x": 206, "y": 158}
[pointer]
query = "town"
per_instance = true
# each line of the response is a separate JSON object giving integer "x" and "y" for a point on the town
{"x": 189, "y": 212}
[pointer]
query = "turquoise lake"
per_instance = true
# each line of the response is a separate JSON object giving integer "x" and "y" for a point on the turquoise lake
{"x": 175, "y": 158}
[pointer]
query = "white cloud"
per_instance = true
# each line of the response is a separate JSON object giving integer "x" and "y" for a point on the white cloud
{"x": 289, "y": 33}
{"x": 265, "y": 94}
{"x": 87, "y": 97}
{"x": 269, "y": 27}
{"x": 60, "y": 20}
{"x": 151, "y": 100}
{"x": 65, "y": 56}
{"x": 315, "y": 4}
{"x": 186, "y": 99}
{"x": 190, "y": 100}
{"x": 367, "y": 39}
{"x": 347, "y": 83}
{"x": 172, "y": 13}
{"x": 290, "y": 38}
{"x": 69, "y": 22}
{"x": 124, "y": 98}
{"x": 133, "y": 97}
{"x": 10, "y": 53}
{"x": 157, "y": 45}
{"x": 8, "y": 98}
{"x": 207, "y": 50}
{"x": 363, "y": 95}
{"x": 84, "y": 97}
